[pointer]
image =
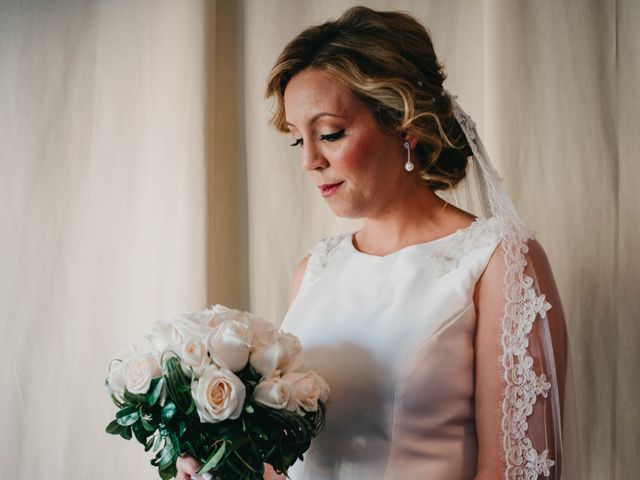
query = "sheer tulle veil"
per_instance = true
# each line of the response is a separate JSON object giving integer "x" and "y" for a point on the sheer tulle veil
{"x": 538, "y": 415}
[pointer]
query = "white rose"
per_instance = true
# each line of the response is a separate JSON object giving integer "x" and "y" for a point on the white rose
{"x": 309, "y": 387}
{"x": 193, "y": 353}
{"x": 116, "y": 378}
{"x": 298, "y": 364}
{"x": 138, "y": 371}
{"x": 116, "y": 374}
{"x": 161, "y": 337}
{"x": 168, "y": 335}
{"x": 229, "y": 346}
{"x": 224, "y": 314}
{"x": 218, "y": 395}
{"x": 186, "y": 328}
{"x": 206, "y": 317}
{"x": 264, "y": 332}
{"x": 275, "y": 358}
{"x": 276, "y": 393}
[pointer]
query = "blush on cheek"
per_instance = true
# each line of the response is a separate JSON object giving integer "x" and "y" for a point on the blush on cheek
{"x": 359, "y": 153}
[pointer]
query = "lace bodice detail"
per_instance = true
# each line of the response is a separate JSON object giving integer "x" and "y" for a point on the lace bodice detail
{"x": 442, "y": 259}
{"x": 321, "y": 255}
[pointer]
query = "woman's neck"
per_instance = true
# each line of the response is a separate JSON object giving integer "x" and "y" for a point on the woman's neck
{"x": 411, "y": 218}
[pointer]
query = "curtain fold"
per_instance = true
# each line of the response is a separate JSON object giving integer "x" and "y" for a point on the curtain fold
{"x": 139, "y": 179}
{"x": 103, "y": 215}
{"x": 625, "y": 462}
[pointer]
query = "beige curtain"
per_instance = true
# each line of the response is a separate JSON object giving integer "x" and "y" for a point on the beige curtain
{"x": 139, "y": 179}
{"x": 103, "y": 194}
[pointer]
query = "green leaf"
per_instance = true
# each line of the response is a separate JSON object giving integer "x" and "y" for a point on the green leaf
{"x": 127, "y": 416}
{"x": 188, "y": 448}
{"x": 114, "y": 428}
{"x": 155, "y": 390}
{"x": 168, "y": 473}
{"x": 157, "y": 442}
{"x": 175, "y": 443}
{"x": 246, "y": 464}
{"x": 140, "y": 433}
{"x": 182, "y": 428}
{"x": 168, "y": 411}
{"x": 249, "y": 409}
{"x": 149, "y": 443}
{"x": 126, "y": 433}
{"x": 181, "y": 388}
{"x": 133, "y": 397}
{"x": 178, "y": 384}
{"x": 148, "y": 426}
{"x": 168, "y": 455}
{"x": 212, "y": 461}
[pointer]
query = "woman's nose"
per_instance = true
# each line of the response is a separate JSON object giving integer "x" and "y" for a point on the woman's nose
{"x": 312, "y": 158}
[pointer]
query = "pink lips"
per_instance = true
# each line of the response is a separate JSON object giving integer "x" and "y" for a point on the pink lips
{"x": 329, "y": 189}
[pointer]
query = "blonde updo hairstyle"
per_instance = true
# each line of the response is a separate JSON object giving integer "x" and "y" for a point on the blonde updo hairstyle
{"x": 387, "y": 60}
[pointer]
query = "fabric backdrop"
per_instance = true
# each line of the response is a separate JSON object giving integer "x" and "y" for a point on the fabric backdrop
{"x": 139, "y": 179}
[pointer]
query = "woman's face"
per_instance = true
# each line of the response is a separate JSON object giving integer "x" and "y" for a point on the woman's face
{"x": 341, "y": 143}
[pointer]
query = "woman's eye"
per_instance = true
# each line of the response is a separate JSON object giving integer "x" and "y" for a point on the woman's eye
{"x": 332, "y": 137}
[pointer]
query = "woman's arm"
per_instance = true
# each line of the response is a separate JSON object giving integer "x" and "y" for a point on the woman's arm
{"x": 489, "y": 301}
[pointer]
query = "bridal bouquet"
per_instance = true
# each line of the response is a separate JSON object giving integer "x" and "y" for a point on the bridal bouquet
{"x": 223, "y": 386}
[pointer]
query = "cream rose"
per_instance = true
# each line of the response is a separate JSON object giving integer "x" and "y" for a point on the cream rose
{"x": 116, "y": 378}
{"x": 230, "y": 345}
{"x": 224, "y": 314}
{"x": 276, "y": 393}
{"x": 309, "y": 388}
{"x": 193, "y": 354}
{"x": 264, "y": 332}
{"x": 273, "y": 359}
{"x": 205, "y": 317}
{"x": 218, "y": 395}
{"x": 168, "y": 335}
{"x": 298, "y": 364}
{"x": 138, "y": 370}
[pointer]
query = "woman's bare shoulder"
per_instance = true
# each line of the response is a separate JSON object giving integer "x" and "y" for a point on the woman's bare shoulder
{"x": 491, "y": 282}
{"x": 297, "y": 278}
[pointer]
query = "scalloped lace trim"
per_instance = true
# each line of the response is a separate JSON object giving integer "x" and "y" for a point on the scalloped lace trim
{"x": 524, "y": 386}
{"x": 523, "y": 305}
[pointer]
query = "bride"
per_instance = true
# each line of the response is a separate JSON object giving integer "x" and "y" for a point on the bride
{"x": 438, "y": 324}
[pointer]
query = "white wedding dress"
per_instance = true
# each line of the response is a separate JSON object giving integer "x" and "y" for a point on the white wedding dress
{"x": 394, "y": 338}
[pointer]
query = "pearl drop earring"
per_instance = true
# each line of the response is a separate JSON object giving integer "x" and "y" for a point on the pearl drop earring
{"x": 408, "y": 166}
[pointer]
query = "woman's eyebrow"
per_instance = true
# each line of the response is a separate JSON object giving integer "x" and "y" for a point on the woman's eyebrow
{"x": 317, "y": 116}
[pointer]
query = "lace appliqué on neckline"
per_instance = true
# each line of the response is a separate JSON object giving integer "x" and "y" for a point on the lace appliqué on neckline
{"x": 481, "y": 232}
{"x": 322, "y": 253}
{"x": 444, "y": 259}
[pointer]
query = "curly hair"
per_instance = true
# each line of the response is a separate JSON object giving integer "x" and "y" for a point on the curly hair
{"x": 387, "y": 60}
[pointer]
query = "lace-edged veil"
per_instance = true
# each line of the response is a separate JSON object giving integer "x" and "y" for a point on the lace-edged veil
{"x": 538, "y": 416}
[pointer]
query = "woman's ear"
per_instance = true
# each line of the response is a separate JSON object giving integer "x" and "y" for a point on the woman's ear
{"x": 408, "y": 137}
